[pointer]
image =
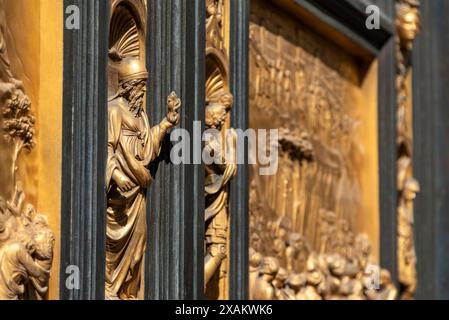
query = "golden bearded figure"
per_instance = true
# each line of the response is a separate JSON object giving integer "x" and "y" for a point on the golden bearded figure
{"x": 132, "y": 145}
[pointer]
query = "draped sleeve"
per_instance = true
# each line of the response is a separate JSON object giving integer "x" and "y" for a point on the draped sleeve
{"x": 114, "y": 125}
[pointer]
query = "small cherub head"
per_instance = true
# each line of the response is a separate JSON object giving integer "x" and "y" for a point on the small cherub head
{"x": 337, "y": 265}
{"x": 314, "y": 274}
{"x": 362, "y": 245}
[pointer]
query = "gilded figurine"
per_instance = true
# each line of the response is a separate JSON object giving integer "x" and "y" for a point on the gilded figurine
{"x": 264, "y": 288}
{"x": 217, "y": 179}
{"x": 26, "y": 241}
{"x": 407, "y": 26}
{"x": 408, "y": 187}
{"x": 132, "y": 146}
{"x": 255, "y": 268}
{"x": 26, "y": 253}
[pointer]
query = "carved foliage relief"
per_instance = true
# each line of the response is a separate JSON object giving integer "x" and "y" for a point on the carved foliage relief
{"x": 26, "y": 241}
{"x": 305, "y": 235}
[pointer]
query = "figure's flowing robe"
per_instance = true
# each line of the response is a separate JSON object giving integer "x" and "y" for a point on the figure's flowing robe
{"x": 216, "y": 180}
{"x": 132, "y": 145}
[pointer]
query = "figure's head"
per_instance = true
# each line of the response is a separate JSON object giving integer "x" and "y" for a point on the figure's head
{"x": 255, "y": 259}
{"x": 408, "y": 20}
{"x": 270, "y": 268}
{"x": 314, "y": 274}
{"x": 281, "y": 278}
{"x": 30, "y": 211}
{"x": 211, "y": 7}
{"x": 362, "y": 245}
{"x": 411, "y": 188}
{"x": 217, "y": 110}
{"x": 44, "y": 242}
{"x": 312, "y": 262}
{"x": 132, "y": 78}
{"x": 296, "y": 281}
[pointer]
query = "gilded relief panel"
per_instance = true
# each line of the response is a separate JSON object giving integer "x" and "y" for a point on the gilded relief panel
{"x": 314, "y": 225}
{"x": 133, "y": 144}
{"x": 30, "y": 148}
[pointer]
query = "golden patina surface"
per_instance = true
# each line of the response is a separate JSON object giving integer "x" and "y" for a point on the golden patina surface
{"x": 407, "y": 26}
{"x": 26, "y": 240}
{"x": 132, "y": 145}
{"x": 218, "y": 174}
{"x": 314, "y": 224}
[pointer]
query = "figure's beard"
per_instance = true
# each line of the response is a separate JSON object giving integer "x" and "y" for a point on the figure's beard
{"x": 136, "y": 99}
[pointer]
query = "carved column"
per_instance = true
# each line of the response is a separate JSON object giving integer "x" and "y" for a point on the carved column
{"x": 219, "y": 102}
{"x": 175, "y": 58}
{"x": 407, "y": 27}
{"x": 84, "y": 150}
{"x": 133, "y": 145}
{"x": 26, "y": 241}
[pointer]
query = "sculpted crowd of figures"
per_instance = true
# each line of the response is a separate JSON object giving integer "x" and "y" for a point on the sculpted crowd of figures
{"x": 287, "y": 268}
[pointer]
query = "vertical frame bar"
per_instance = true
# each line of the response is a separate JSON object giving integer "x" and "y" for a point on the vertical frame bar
{"x": 84, "y": 150}
{"x": 175, "y": 58}
{"x": 431, "y": 150}
{"x": 239, "y": 192}
{"x": 387, "y": 158}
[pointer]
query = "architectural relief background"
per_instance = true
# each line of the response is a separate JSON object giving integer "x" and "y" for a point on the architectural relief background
{"x": 407, "y": 27}
{"x": 33, "y": 36}
{"x": 314, "y": 226}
